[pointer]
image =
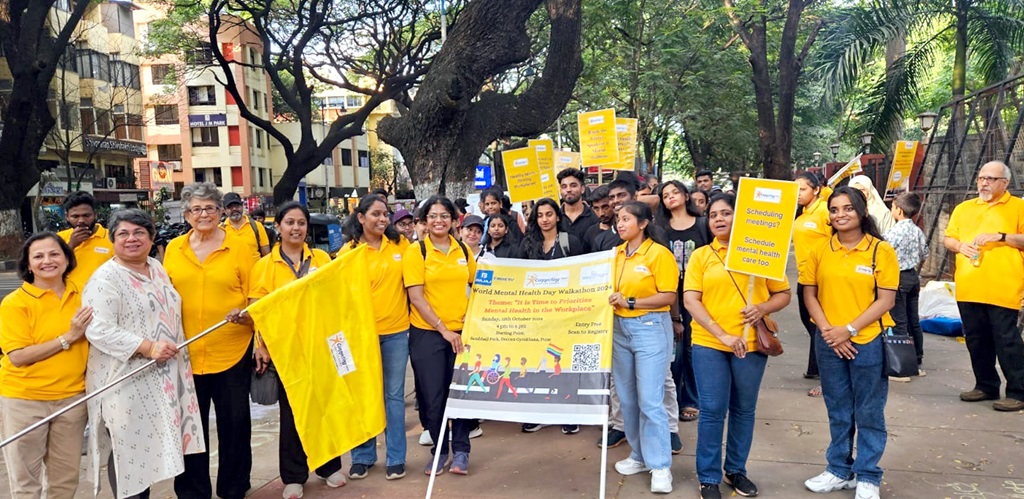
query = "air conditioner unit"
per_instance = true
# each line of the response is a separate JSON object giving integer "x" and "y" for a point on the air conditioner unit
{"x": 111, "y": 182}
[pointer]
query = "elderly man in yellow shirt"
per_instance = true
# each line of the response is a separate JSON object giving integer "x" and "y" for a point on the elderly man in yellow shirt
{"x": 987, "y": 235}
{"x": 86, "y": 237}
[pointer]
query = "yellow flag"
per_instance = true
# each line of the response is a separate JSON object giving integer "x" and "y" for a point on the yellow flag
{"x": 322, "y": 337}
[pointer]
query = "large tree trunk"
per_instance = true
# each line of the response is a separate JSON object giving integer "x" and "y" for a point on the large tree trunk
{"x": 450, "y": 123}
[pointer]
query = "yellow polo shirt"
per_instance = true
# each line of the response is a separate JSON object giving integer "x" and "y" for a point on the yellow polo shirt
{"x": 271, "y": 272}
{"x": 387, "y": 287}
{"x": 810, "y": 229}
{"x": 89, "y": 255}
{"x": 248, "y": 236}
{"x": 30, "y": 316}
{"x": 209, "y": 290}
{"x": 445, "y": 278}
{"x": 999, "y": 280}
{"x": 706, "y": 274}
{"x": 650, "y": 270}
{"x": 846, "y": 282}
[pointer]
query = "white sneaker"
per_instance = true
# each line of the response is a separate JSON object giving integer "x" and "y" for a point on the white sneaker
{"x": 661, "y": 481}
{"x": 630, "y": 466}
{"x": 337, "y": 479}
{"x": 827, "y": 482}
{"x": 477, "y": 432}
{"x": 425, "y": 438}
{"x": 867, "y": 491}
{"x": 292, "y": 491}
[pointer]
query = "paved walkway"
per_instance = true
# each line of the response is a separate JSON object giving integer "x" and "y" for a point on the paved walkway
{"x": 938, "y": 446}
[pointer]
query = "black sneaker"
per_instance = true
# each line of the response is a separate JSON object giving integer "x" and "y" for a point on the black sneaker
{"x": 741, "y": 484}
{"x": 710, "y": 491}
{"x": 615, "y": 438}
{"x": 570, "y": 429}
{"x": 395, "y": 472}
{"x": 531, "y": 427}
{"x": 677, "y": 444}
{"x": 358, "y": 471}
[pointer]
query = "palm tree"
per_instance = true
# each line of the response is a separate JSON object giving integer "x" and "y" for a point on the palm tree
{"x": 987, "y": 34}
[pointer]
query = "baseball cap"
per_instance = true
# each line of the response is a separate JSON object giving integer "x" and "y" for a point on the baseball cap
{"x": 232, "y": 198}
{"x": 472, "y": 220}
{"x": 400, "y": 214}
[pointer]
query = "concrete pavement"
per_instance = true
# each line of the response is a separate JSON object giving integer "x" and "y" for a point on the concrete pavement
{"x": 938, "y": 447}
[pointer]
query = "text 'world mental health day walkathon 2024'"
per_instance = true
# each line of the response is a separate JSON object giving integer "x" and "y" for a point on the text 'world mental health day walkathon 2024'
{"x": 537, "y": 342}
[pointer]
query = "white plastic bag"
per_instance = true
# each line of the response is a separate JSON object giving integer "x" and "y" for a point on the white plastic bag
{"x": 938, "y": 299}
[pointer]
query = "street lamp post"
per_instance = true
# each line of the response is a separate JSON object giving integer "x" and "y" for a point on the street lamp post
{"x": 927, "y": 120}
{"x": 817, "y": 158}
{"x": 865, "y": 139}
{"x": 835, "y": 151}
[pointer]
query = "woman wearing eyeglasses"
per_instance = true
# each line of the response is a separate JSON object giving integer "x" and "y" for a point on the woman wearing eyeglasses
{"x": 438, "y": 272}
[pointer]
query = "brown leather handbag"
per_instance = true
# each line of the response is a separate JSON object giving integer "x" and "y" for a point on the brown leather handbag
{"x": 766, "y": 328}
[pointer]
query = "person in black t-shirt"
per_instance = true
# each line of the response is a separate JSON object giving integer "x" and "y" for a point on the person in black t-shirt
{"x": 577, "y": 217}
{"x": 498, "y": 242}
{"x": 601, "y": 203}
{"x": 544, "y": 239}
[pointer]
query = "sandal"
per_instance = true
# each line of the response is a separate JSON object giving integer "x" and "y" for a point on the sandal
{"x": 815, "y": 392}
{"x": 689, "y": 414}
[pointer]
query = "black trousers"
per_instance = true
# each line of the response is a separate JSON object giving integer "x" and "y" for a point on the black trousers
{"x": 228, "y": 391}
{"x": 290, "y": 454}
{"x": 433, "y": 364}
{"x": 904, "y": 312}
{"x": 992, "y": 334}
{"x": 812, "y": 330}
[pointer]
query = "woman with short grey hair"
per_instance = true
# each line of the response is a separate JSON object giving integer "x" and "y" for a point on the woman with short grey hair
{"x": 143, "y": 427}
{"x": 201, "y": 190}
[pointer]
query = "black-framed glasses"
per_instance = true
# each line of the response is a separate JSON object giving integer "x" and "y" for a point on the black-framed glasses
{"x": 199, "y": 210}
{"x": 989, "y": 180}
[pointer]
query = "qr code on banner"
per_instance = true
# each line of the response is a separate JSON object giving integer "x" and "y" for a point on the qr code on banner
{"x": 586, "y": 357}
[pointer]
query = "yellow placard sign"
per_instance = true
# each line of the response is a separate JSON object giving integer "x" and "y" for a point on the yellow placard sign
{"x": 626, "y": 135}
{"x": 566, "y": 159}
{"x": 599, "y": 144}
{"x": 522, "y": 175}
{"x": 546, "y": 165}
{"x": 762, "y": 227}
{"x": 902, "y": 165}
{"x": 848, "y": 170}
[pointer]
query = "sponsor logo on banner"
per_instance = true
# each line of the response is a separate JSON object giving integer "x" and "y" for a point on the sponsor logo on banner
{"x": 762, "y": 194}
{"x": 552, "y": 279}
{"x": 595, "y": 274}
{"x": 484, "y": 277}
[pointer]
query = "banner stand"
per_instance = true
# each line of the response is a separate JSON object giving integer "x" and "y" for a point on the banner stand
{"x": 604, "y": 456}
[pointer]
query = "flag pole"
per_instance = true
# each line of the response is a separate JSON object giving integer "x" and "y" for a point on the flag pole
{"x": 604, "y": 457}
{"x": 102, "y": 389}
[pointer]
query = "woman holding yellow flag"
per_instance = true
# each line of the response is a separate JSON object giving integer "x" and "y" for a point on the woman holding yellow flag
{"x": 290, "y": 260}
{"x": 809, "y": 230}
{"x": 368, "y": 225}
{"x": 726, "y": 365}
{"x": 438, "y": 272}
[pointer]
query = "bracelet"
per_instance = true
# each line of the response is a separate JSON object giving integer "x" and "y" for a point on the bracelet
{"x": 64, "y": 345}
{"x": 438, "y": 323}
{"x": 152, "y": 351}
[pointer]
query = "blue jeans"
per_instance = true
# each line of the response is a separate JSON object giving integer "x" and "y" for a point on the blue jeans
{"x": 641, "y": 353}
{"x": 394, "y": 355}
{"x": 855, "y": 393}
{"x": 726, "y": 384}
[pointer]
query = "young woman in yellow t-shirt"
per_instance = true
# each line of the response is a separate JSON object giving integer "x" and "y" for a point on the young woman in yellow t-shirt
{"x": 726, "y": 365}
{"x": 811, "y": 227}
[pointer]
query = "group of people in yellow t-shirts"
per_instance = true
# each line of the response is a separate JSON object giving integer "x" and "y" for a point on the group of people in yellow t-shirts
{"x": 94, "y": 306}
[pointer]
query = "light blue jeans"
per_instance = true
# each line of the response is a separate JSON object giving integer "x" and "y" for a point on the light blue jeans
{"x": 641, "y": 353}
{"x": 727, "y": 385}
{"x": 394, "y": 355}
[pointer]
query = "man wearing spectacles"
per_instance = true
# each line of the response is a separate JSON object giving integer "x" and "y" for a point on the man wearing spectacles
{"x": 240, "y": 225}
{"x": 987, "y": 235}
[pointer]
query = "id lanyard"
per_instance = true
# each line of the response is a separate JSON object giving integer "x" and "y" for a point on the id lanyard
{"x": 303, "y": 269}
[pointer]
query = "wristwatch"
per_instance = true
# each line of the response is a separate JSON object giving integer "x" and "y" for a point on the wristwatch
{"x": 853, "y": 332}
{"x": 64, "y": 345}
{"x": 631, "y": 301}
{"x": 1002, "y": 237}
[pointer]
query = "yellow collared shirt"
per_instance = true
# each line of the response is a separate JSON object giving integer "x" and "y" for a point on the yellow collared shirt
{"x": 246, "y": 234}
{"x": 706, "y": 274}
{"x": 846, "y": 282}
{"x": 89, "y": 255}
{"x": 209, "y": 290}
{"x": 650, "y": 270}
{"x": 272, "y": 272}
{"x": 30, "y": 316}
{"x": 999, "y": 279}
{"x": 445, "y": 278}
{"x": 810, "y": 229}
{"x": 387, "y": 287}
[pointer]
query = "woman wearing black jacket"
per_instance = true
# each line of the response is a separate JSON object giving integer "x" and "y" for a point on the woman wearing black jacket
{"x": 499, "y": 243}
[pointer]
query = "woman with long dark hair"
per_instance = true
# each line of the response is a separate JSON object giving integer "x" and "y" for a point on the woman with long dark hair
{"x": 499, "y": 243}
{"x": 810, "y": 230}
{"x": 493, "y": 201}
{"x": 646, "y": 279}
{"x": 684, "y": 231}
{"x": 850, "y": 284}
{"x": 368, "y": 225}
{"x": 699, "y": 200}
{"x": 544, "y": 240}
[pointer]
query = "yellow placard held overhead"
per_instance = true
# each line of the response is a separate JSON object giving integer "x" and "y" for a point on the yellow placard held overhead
{"x": 626, "y": 136}
{"x": 850, "y": 169}
{"x": 599, "y": 144}
{"x": 566, "y": 159}
{"x": 546, "y": 165}
{"x": 762, "y": 227}
{"x": 902, "y": 165}
{"x": 522, "y": 175}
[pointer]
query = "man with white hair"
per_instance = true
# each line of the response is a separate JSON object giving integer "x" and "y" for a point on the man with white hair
{"x": 987, "y": 234}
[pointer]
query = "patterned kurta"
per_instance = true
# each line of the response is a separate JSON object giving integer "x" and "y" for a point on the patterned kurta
{"x": 152, "y": 419}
